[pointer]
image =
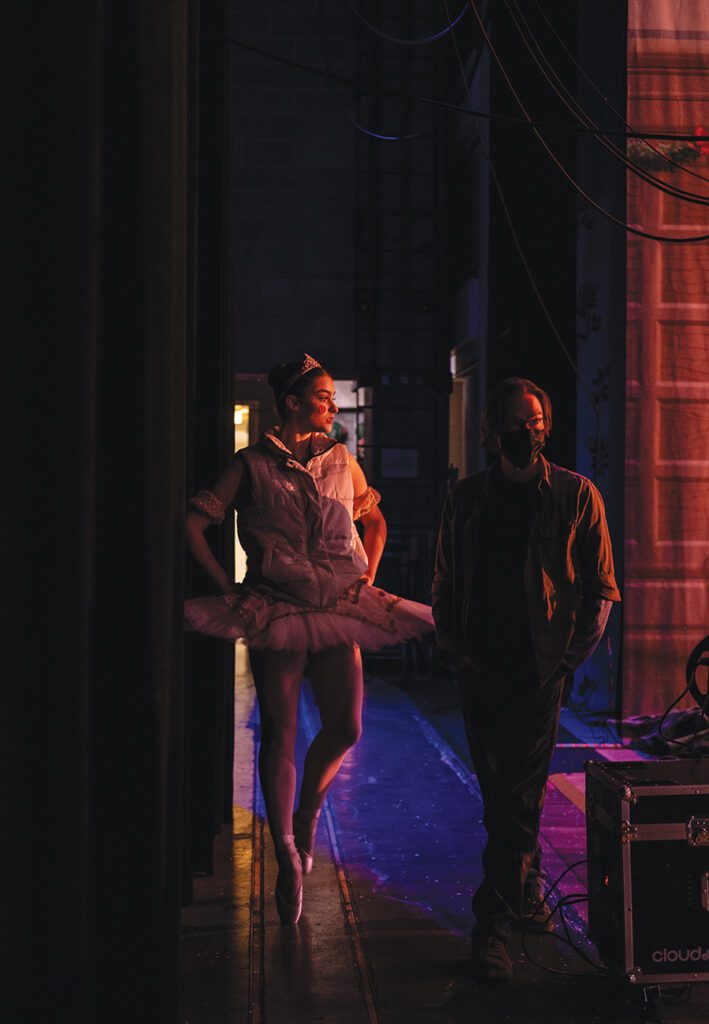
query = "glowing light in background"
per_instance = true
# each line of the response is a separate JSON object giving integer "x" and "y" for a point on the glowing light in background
{"x": 241, "y": 440}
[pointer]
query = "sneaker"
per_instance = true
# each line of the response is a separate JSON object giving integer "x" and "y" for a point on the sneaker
{"x": 491, "y": 960}
{"x": 536, "y": 915}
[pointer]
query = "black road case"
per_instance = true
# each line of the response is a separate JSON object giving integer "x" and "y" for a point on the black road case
{"x": 647, "y": 837}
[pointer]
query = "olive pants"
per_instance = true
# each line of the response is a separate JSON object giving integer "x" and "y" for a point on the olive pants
{"x": 511, "y": 730}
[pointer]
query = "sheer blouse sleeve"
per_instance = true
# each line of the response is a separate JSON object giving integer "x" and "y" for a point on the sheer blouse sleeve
{"x": 365, "y": 503}
{"x": 209, "y": 505}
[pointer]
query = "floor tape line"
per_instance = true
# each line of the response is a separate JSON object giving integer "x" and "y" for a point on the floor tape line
{"x": 256, "y": 930}
{"x": 362, "y": 966}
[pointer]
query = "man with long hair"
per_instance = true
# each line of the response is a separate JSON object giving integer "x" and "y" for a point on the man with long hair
{"x": 522, "y": 590}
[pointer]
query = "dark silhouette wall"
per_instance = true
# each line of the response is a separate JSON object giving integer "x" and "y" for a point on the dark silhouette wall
{"x": 102, "y": 295}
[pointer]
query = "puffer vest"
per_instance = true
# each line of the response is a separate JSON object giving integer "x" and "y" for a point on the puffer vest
{"x": 295, "y": 522}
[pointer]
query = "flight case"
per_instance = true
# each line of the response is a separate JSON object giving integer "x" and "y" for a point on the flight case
{"x": 647, "y": 837}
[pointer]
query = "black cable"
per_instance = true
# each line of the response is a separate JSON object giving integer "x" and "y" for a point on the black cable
{"x": 574, "y": 107}
{"x": 702, "y": 714}
{"x": 564, "y": 873}
{"x": 600, "y": 968}
{"x": 515, "y": 122}
{"x": 633, "y": 132}
{"x": 545, "y": 967}
{"x": 469, "y": 74}
{"x": 348, "y": 117}
{"x": 515, "y": 237}
{"x": 406, "y": 42}
{"x": 676, "y": 239}
{"x": 353, "y": 121}
{"x": 696, "y": 660}
{"x": 669, "y": 739}
{"x": 558, "y": 908}
{"x": 585, "y": 717}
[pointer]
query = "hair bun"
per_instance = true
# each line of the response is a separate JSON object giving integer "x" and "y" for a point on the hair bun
{"x": 280, "y": 374}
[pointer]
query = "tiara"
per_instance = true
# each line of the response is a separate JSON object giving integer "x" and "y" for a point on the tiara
{"x": 307, "y": 365}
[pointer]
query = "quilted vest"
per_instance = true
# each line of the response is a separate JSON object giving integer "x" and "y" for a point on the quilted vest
{"x": 295, "y": 522}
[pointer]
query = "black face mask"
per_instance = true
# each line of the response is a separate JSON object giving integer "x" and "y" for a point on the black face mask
{"x": 521, "y": 447}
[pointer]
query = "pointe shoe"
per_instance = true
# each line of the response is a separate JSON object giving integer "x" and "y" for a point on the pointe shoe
{"x": 289, "y": 907}
{"x": 289, "y": 884}
{"x": 305, "y": 824}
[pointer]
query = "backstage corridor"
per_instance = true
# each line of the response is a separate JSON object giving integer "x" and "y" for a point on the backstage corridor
{"x": 383, "y": 938}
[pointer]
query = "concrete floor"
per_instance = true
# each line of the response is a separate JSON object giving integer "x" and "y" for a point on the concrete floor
{"x": 383, "y": 936}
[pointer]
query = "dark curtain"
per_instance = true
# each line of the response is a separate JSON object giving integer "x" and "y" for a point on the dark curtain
{"x": 209, "y": 666}
{"x": 100, "y": 291}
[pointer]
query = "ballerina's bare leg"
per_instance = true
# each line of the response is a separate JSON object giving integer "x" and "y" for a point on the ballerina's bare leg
{"x": 277, "y": 677}
{"x": 336, "y": 677}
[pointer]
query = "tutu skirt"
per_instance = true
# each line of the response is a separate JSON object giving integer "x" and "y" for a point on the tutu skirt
{"x": 363, "y": 615}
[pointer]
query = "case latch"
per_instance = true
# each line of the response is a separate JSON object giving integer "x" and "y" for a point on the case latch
{"x": 698, "y": 831}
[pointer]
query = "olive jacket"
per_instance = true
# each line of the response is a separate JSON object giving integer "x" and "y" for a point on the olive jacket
{"x": 569, "y": 564}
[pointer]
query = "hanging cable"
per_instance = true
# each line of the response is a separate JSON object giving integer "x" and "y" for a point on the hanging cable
{"x": 632, "y": 132}
{"x": 336, "y": 99}
{"x": 577, "y": 111}
{"x": 514, "y": 122}
{"x": 406, "y": 42}
{"x": 697, "y": 658}
{"x": 518, "y": 245}
{"x": 352, "y": 120}
{"x": 680, "y": 239}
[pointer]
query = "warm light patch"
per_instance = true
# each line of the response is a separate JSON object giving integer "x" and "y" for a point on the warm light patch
{"x": 241, "y": 440}
{"x": 241, "y": 426}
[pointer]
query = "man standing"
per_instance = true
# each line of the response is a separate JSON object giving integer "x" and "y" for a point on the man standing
{"x": 522, "y": 590}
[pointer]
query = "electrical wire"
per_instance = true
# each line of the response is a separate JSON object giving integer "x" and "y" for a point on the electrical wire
{"x": 345, "y": 113}
{"x": 675, "y": 702}
{"x": 574, "y": 107}
{"x": 570, "y": 103}
{"x": 546, "y": 967}
{"x": 600, "y": 731}
{"x": 582, "y": 898}
{"x": 515, "y": 238}
{"x": 558, "y": 908}
{"x": 677, "y": 239}
{"x": 569, "y": 900}
{"x": 564, "y": 873}
{"x": 693, "y": 662}
{"x": 633, "y": 132}
{"x": 352, "y": 120}
{"x": 702, "y": 715}
{"x": 683, "y": 744}
{"x": 406, "y": 42}
{"x": 527, "y": 122}
{"x": 562, "y": 169}
{"x": 455, "y": 108}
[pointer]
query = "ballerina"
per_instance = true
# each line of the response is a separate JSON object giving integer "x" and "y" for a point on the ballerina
{"x": 308, "y": 597}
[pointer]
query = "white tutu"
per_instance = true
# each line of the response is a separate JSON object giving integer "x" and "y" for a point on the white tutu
{"x": 361, "y": 615}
